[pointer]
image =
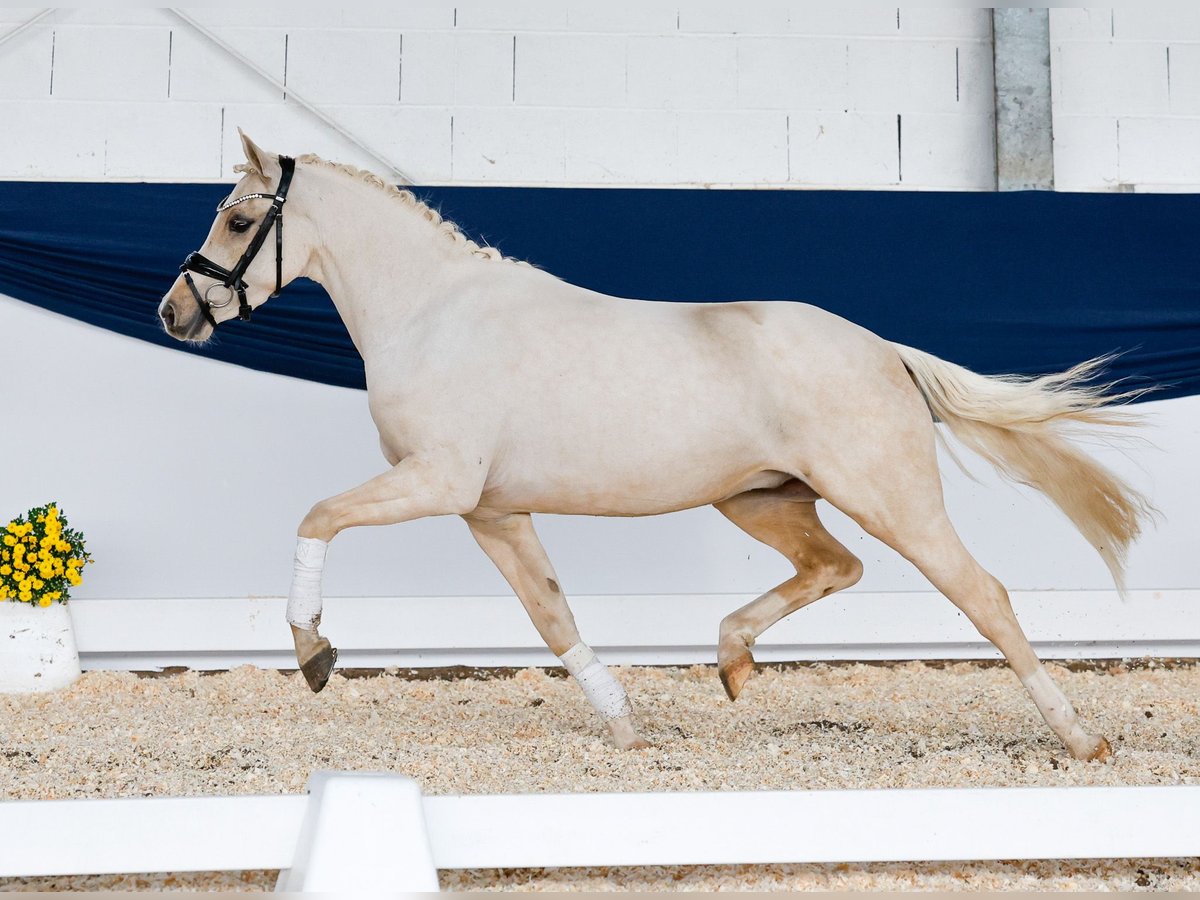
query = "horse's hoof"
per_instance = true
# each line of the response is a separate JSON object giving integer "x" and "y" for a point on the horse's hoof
{"x": 318, "y": 667}
{"x": 734, "y": 674}
{"x": 625, "y": 736}
{"x": 1102, "y": 753}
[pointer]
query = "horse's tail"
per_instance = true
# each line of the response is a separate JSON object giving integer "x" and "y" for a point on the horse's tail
{"x": 1021, "y": 426}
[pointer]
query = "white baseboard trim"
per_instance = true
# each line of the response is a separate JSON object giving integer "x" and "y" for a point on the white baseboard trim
{"x": 370, "y": 632}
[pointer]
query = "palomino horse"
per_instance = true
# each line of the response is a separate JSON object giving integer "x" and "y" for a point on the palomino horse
{"x": 500, "y": 391}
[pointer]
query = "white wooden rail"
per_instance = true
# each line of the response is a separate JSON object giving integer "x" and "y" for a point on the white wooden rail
{"x": 356, "y": 831}
{"x": 675, "y": 629}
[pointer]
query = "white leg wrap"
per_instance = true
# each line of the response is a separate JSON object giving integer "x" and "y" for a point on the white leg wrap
{"x": 602, "y": 690}
{"x": 304, "y": 599}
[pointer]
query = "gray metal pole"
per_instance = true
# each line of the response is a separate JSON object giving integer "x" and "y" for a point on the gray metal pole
{"x": 1024, "y": 126}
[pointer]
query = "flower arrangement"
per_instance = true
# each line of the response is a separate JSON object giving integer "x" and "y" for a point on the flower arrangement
{"x": 41, "y": 557}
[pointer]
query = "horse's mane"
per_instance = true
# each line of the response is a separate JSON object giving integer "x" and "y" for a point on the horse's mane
{"x": 431, "y": 215}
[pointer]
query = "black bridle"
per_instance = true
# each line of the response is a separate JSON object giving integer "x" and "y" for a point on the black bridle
{"x": 231, "y": 279}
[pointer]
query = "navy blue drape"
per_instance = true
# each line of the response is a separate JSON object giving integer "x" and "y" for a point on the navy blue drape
{"x": 1025, "y": 282}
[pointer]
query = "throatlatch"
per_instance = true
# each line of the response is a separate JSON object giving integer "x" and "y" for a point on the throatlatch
{"x": 220, "y": 295}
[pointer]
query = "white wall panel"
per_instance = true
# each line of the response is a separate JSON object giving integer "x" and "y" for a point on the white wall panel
{"x": 499, "y": 69}
{"x": 932, "y": 152}
{"x": 1157, "y": 22}
{"x": 822, "y": 145}
{"x": 201, "y": 73}
{"x": 505, "y": 15}
{"x": 945, "y": 22}
{"x": 793, "y": 73}
{"x": 843, "y": 19}
{"x": 25, "y": 64}
{"x": 117, "y": 63}
{"x": 46, "y": 140}
{"x": 186, "y": 138}
{"x": 717, "y": 17}
{"x": 621, "y": 146}
{"x": 1184, "y": 85}
{"x": 502, "y": 146}
{"x": 1085, "y": 153}
{"x": 1103, "y": 78}
{"x": 349, "y": 66}
{"x": 904, "y": 76}
{"x": 570, "y": 70}
{"x": 1126, "y": 90}
{"x": 647, "y": 17}
{"x": 1149, "y": 150}
{"x": 446, "y": 69}
{"x": 419, "y": 138}
{"x": 732, "y": 147}
{"x": 667, "y": 72}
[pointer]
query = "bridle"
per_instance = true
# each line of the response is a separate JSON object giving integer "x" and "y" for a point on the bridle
{"x": 220, "y": 295}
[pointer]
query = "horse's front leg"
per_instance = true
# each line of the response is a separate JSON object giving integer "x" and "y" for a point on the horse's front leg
{"x": 413, "y": 489}
{"x": 511, "y": 543}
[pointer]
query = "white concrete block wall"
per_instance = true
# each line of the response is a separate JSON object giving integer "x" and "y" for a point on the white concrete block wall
{"x": 1126, "y": 87}
{"x": 758, "y": 93}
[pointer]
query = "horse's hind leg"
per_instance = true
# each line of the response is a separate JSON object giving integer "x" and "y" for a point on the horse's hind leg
{"x": 903, "y": 507}
{"x": 938, "y": 552}
{"x": 785, "y": 519}
{"x": 512, "y": 544}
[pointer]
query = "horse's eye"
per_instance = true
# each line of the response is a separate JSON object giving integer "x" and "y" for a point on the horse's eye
{"x": 238, "y": 225}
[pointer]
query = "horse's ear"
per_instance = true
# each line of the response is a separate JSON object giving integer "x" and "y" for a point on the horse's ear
{"x": 259, "y": 160}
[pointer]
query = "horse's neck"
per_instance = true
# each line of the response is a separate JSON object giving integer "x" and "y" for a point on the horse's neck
{"x": 377, "y": 257}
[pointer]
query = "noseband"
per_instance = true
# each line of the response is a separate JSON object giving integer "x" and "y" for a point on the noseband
{"x": 231, "y": 279}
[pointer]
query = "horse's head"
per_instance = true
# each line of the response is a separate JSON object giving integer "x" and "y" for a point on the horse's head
{"x": 243, "y": 262}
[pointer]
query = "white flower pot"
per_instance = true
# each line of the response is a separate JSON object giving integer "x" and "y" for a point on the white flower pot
{"x": 37, "y": 648}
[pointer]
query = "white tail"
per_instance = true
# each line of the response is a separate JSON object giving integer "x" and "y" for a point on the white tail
{"x": 1017, "y": 424}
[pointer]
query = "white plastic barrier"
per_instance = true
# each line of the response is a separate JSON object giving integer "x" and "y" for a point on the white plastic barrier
{"x": 676, "y": 629}
{"x": 362, "y": 832}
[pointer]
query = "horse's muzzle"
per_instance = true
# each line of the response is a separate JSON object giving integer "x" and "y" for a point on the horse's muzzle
{"x": 178, "y": 323}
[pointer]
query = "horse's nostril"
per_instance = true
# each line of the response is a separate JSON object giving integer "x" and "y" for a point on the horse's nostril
{"x": 168, "y": 315}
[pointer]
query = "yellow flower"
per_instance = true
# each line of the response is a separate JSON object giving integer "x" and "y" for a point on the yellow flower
{"x": 11, "y": 527}
{"x": 9, "y": 540}
{"x": 24, "y": 596}
{"x": 33, "y": 557}
{"x": 45, "y": 601}
{"x": 74, "y": 563}
{"x": 5, "y": 570}
{"x": 73, "y": 577}
{"x": 38, "y": 584}
{"x": 62, "y": 547}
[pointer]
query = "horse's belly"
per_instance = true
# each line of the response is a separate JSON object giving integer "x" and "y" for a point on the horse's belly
{"x": 632, "y": 484}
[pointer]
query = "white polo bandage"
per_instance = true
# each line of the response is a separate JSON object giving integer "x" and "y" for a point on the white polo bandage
{"x": 602, "y": 690}
{"x": 304, "y": 599}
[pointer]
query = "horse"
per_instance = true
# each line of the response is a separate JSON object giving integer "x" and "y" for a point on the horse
{"x": 500, "y": 391}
